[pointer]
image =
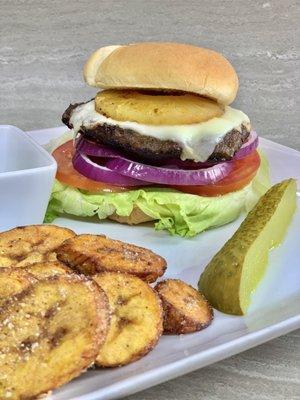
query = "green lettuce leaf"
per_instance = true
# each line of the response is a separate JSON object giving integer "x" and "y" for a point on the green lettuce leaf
{"x": 178, "y": 213}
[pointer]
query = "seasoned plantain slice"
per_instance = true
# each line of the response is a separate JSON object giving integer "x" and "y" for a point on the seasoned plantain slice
{"x": 136, "y": 322}
{"x": 185, "y": 309}
{"x": 26, "y": 245}
{"x": 49, "y": 334}
{"x": 90, "y": 254}
{"x": 49, "y": 268}
{"x": 12, "y": 282}
{"x": 15, "y": 280}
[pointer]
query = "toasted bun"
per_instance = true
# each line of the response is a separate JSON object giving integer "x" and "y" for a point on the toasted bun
{"x": 163, "y": 66}
{"x": 136, "y": 217}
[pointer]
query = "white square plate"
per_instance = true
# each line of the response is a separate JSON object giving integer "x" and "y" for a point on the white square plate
{"x": 274, "y": 309}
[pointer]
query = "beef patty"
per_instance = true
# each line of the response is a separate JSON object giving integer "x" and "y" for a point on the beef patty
{"x": 150, "y": 149}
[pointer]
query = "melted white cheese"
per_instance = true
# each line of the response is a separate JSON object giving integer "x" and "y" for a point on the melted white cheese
{"x": 196, "y": 140}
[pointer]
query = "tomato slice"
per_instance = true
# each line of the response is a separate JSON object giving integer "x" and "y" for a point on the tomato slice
{"x": 242, "y": 174}
{"x": 68, "y": 175}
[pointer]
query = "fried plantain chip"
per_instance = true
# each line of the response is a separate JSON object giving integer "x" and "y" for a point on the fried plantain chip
{"x": 26, "y": 245}
{"x": 136, "y": 322}
{"x": 46, "y": 269}
{"x": 50, "y": 333}
{"x": 15, "y": 280}
{"x": 12, "y": 282}
{"x": 90, "y": 254}
{"x": 185, "y": 309}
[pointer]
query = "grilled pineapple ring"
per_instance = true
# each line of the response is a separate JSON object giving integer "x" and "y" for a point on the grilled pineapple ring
{"x": 152, "y": 108}
{"x": 136, "y": 321}
{"x": 49, "y": 333}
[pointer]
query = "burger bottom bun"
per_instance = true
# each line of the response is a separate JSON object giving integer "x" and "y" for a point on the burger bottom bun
{"x": 136, "y": 217}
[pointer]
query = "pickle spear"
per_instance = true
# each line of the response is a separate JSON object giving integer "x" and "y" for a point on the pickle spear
{"x": 233, "y": 274}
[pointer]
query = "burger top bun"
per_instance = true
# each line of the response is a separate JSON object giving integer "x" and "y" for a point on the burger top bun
{"x": 163, "y": 66}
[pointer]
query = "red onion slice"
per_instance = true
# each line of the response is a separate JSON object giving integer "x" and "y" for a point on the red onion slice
{"x": 94, "y": 149}
{"x": 247, "y": 147}
{"x": 137, "y": 174}
{"x": 168, "y": 176}
{"x": 149, "y": 173}
{"x": 101, "y": 173}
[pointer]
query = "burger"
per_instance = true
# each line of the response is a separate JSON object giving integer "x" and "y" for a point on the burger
{"x": 158, "y": 142}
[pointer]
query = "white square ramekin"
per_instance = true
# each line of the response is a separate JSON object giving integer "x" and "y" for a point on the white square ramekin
{"x": 27, "y": 172}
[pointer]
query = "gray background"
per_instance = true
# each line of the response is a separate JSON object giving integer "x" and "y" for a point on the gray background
{"x": 43, "y": 45}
